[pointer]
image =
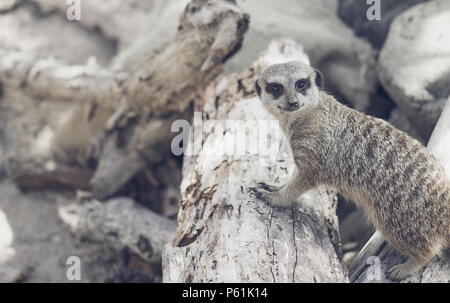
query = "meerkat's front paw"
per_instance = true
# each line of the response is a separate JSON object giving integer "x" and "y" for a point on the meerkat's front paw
{"x": 267, "y": 193}
{"x": 260, "y": 194}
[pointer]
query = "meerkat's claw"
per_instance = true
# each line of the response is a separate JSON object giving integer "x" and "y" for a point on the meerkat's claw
{"x": 397, "y": 272}
{"x": 269, "y": 188}
{"x": 268, "y": 194}
{"x": 411, "y": 265}
{"x": 260, "y": 194}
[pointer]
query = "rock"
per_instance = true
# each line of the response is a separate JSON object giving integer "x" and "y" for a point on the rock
{"x": 381, "y": 106}
{"x": 354, "y": 14}
{"x": 401, "y": 121}
{"x": 414, "y": 64}
{"x": 49, "y": 36}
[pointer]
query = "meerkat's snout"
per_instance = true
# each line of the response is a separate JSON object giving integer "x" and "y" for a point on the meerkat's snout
{"x": 290, "y": 104}
{"x": 293, "y": 104}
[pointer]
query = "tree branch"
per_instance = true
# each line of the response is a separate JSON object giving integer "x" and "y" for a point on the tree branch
{"x": 120, "y": 223}
{"x": 139, "y": 132}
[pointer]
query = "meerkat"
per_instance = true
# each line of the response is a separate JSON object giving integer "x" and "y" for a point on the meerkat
{"x": 400, "y": 186}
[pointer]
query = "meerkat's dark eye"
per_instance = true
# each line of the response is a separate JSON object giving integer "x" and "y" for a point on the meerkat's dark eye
{"x": 301, "y": 84}
{"x": 275, "y": 89}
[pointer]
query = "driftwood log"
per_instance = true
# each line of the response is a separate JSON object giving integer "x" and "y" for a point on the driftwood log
{"x": 119, "y": 223}
{"x": 139, "y": 132}
{"x": 38, "y": 174}
{"x": 50, "y": 79}
{"x": 143, "y": 103}
{"x": 209, "y": 32}
{"x": 223, "y": 233}
{"x": 377, "y": 256}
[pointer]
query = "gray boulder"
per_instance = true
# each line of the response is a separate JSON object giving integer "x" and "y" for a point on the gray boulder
{"x": 353, "y": 13}
{"x": 414, "y": 64}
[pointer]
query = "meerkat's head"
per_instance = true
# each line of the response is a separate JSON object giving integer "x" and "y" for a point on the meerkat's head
{"x": 289, "y": 87}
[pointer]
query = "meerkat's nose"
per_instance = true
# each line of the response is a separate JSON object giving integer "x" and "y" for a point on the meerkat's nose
{"x": 293, "y": 103}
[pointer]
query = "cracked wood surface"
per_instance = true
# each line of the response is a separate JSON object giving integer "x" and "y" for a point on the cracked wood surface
{"x": 224, "y": 234}
{"x": 365, "y": 269}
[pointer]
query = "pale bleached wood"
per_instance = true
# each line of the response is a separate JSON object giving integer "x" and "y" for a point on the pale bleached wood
{"x": 138, "y": 135}
{"x": 50, "y": 78}
{"x": 119, "y": 223}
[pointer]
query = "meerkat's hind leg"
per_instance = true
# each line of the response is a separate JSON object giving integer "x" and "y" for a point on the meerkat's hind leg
{"x": 417, "y": 260}
{"x": 410, "y": 266}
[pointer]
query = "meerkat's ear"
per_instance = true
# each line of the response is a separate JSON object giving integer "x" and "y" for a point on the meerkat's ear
{"x": 258, "y": 88}
{"x": 319, "y": 79}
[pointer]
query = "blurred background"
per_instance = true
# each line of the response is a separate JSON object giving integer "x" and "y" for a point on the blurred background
{"x": 396, "y": 68}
